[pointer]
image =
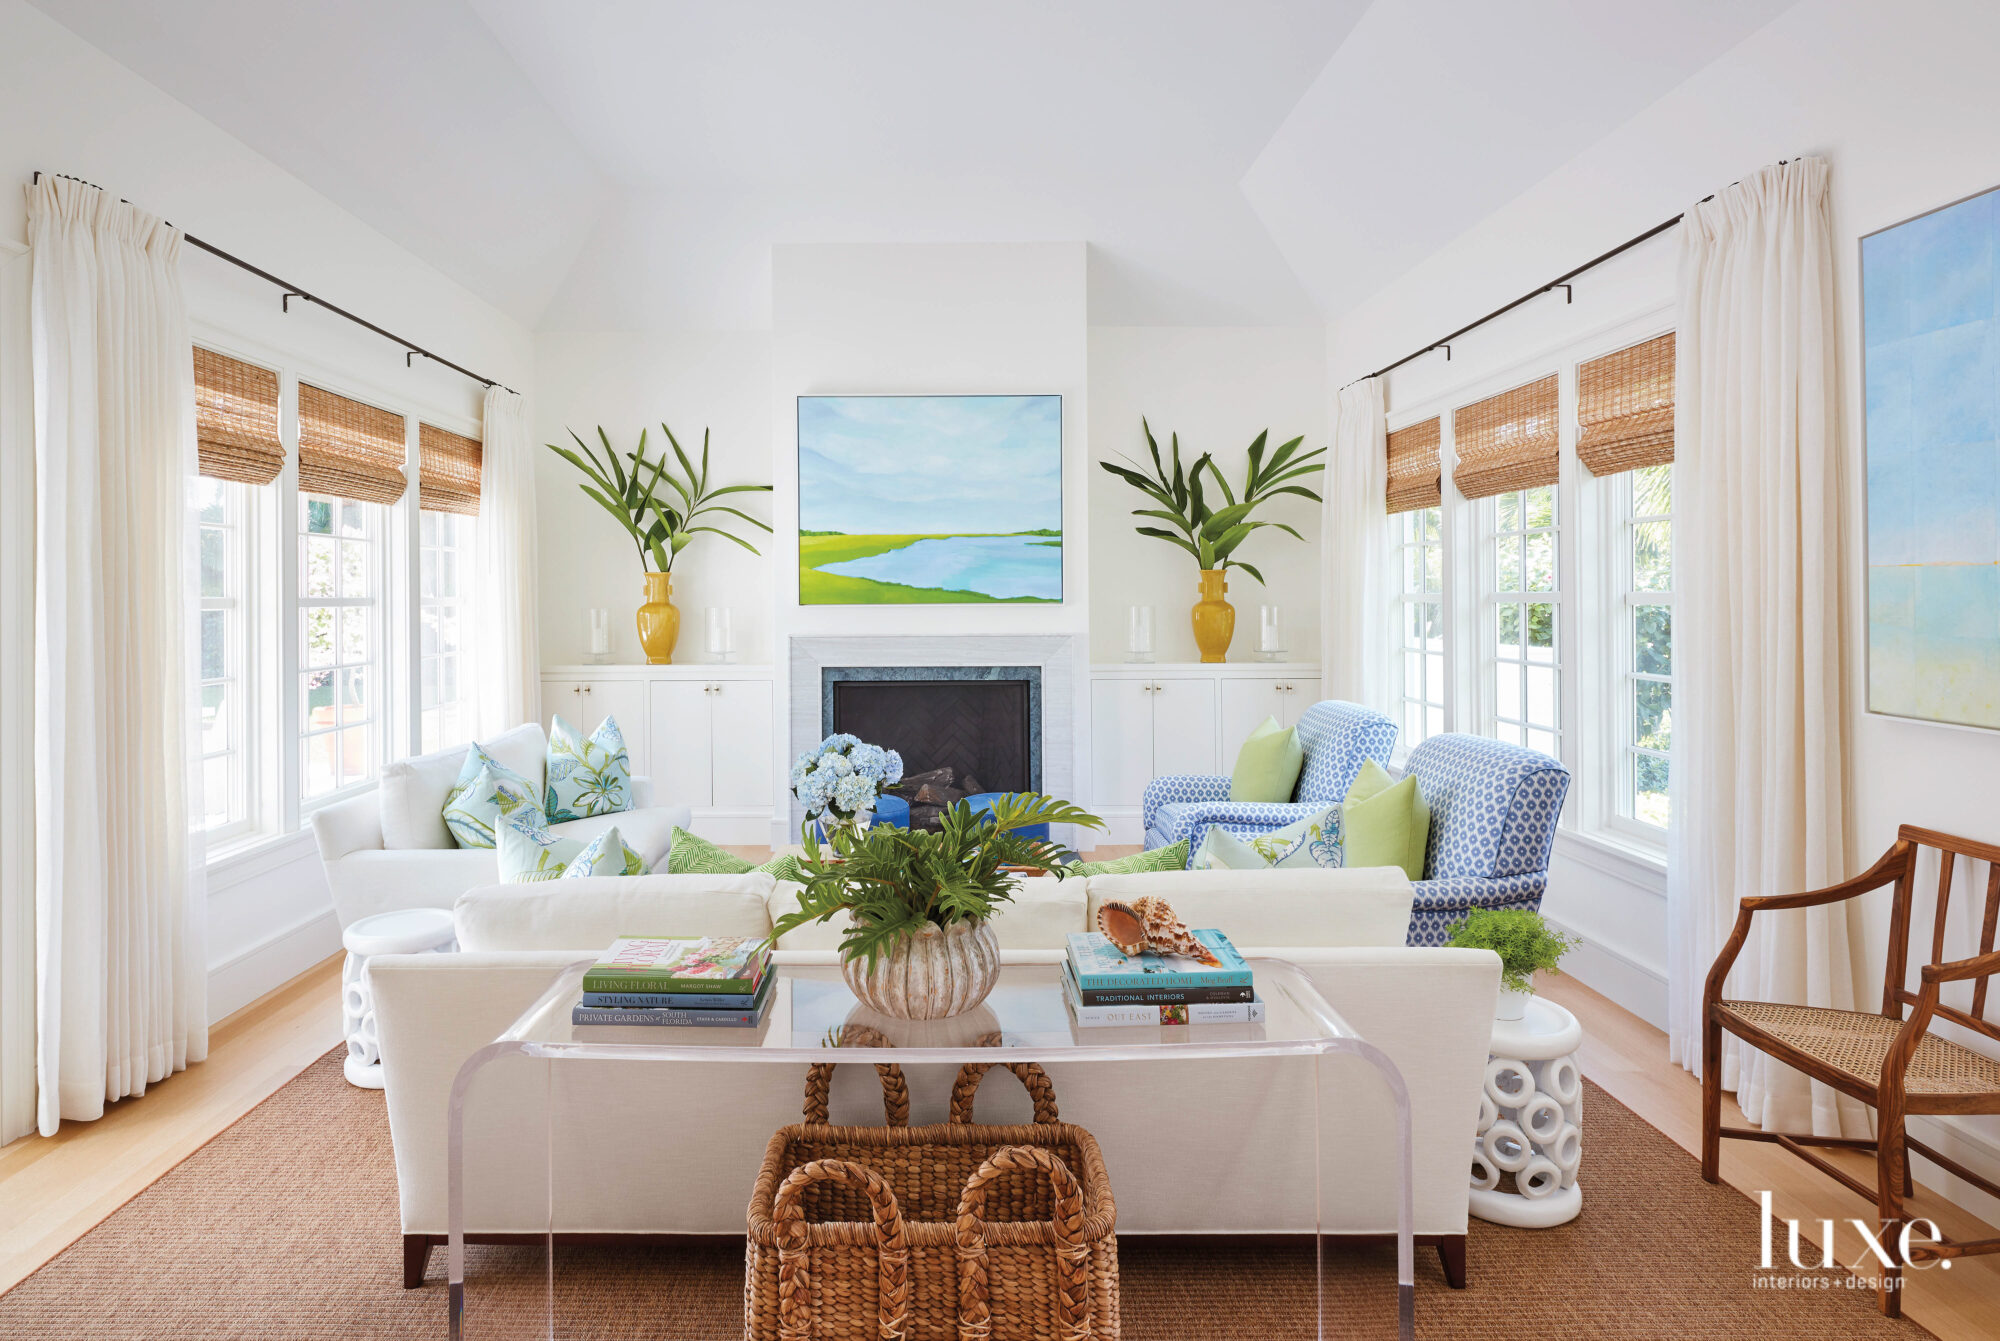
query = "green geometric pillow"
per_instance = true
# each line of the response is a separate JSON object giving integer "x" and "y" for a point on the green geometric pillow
{"x": 476, "y": 806}
{"x": 587, "y": 777}
{"x": 691, "y": 854}
{"x": 1172, "y": 857}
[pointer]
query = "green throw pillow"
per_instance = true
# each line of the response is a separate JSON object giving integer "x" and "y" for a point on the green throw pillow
{"x": 1387, "y": 822}
{"x": 1314, "y": 843}
{"x": 690, "y": 854}
{"x": 1172, "y": 857}
{"x": 1267, "y": 767}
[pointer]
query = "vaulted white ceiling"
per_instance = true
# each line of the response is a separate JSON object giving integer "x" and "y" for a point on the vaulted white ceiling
{"x": 627, "y": 164}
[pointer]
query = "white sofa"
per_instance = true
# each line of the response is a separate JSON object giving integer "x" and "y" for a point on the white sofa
{"x": 389, "y": 848}
{"x": 1193, "y": 1147}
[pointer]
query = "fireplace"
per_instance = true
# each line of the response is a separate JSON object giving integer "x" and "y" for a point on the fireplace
{"x": 982, "y": 722}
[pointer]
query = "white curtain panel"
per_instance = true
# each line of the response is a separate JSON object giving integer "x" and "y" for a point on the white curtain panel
{"x": 121, "y": 996}
{"x": 508, "y": 635}
{"x": 1354, "y": 551}
{"x": 1759, "y": 805}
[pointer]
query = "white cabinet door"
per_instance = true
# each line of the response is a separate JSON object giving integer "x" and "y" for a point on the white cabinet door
{"x": 561, "y": 696}
{"x": 740, "y": 736}
{"x": 1294, "y": 697}
{"x": 623, "y": 699}
{"x": 1121, "y": 741}
{"x": 681, "y": 743}
{"x": 1184, "y": 726}
{"x": 1245, "y": 704}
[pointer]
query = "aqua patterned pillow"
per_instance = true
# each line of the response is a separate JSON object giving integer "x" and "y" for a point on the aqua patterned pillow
{"x": 1317, "y": 842}
{"x": 587, "y": 777}
{"x": 530, "y": 853}
{"x": 475, "y": 808}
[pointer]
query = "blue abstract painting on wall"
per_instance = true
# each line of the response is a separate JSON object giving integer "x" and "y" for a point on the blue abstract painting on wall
{"x": 920, "y": 500}
{"x": 1931, "y": 343}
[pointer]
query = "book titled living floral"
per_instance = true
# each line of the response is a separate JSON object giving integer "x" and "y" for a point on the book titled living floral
{"x": 1249, "y": 1011}
{"x": 1101, "y": 966}
{"x": 748, "y": 1013}
{"x": 709, "y": 965}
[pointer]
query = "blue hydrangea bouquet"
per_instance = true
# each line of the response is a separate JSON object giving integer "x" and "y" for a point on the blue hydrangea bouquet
{"x": 839, "y": 781}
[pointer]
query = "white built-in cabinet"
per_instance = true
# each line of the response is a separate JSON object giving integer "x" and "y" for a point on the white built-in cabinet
{"x": 702, "y": 733}
{"x": 1152, "y": 720}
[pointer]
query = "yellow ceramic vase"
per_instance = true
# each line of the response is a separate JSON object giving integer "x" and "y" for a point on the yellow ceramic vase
{"x": 660, "y": 622}
{"x": 1214, "y": 617}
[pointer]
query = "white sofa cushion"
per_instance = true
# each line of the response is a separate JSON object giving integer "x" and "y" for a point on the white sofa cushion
{"x": 589, "y": 913}
{"x": 1365, "y": 905}
{"x": 412, "y": 797}
{"x": 1043, "y": 912}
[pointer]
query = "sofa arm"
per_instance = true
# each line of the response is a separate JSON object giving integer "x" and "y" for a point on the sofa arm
{"x": 353, "y": 825}
{"x": 1172, "y": 787}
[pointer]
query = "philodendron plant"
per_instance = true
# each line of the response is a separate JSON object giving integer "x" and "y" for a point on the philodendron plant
{"x": 1208, "y": 532}
{"x": 661, "y": 520}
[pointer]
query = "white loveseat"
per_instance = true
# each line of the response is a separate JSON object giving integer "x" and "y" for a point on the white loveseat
{"x": 389, "y": 848}
{"x": 1202, "y": 1147}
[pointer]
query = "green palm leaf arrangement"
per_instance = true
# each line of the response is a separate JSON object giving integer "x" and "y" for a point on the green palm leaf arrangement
{"x": 660, "y": 501}
{"x": 892, "y": 881}
{"x": 1209, "y": 532}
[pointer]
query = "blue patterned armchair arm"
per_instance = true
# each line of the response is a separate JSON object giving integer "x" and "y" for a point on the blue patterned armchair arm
{"x": 1439, "y": 903}
{"x": 1175, "y": 787}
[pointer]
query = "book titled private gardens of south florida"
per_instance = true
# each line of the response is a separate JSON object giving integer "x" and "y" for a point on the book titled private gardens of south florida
{"x": 718, "y": 965}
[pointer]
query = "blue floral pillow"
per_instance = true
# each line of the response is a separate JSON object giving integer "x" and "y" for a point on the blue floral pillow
{"x": 1318, "y": 841}
{"x": 586, "y": 776}
{"x": 474, "y": 810}
{"x": 530, "y": 853}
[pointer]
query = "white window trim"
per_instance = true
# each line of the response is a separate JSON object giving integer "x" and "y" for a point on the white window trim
{"x": 240, "y": 660}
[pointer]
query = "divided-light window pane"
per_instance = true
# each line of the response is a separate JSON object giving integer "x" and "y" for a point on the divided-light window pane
{"x": 1526, "y": 673}
{"x": 1649, "y": 685}
{"x": 342, "y": 660}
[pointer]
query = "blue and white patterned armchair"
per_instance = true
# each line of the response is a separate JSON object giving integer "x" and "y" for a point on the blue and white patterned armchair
{"x": 1494, "y": 808}
{"x": 1336, "y": 737}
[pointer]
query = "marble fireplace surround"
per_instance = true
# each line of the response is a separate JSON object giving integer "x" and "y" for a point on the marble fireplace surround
{"x": 1053, "y": 655}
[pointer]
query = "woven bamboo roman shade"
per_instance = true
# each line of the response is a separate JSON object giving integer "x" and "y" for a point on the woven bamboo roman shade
{"x": 1625, "y": 408}
{"x": 1507, "y": 441}
{"x": 348, "y": 449}
{"x": 236, "y": 419}
{"x": 1413, "y": 467}
{"x": 448, "y": 467}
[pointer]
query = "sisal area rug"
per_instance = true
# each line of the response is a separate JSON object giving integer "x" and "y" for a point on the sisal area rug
{"x": 285, "y": 1226}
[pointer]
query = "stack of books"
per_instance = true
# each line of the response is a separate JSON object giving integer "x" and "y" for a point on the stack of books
{"x": 1105, "y": 986}
{"x": 698, "y": 981}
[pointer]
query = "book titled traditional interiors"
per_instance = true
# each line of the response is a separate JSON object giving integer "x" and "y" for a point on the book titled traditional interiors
{"x": 707, "y": 965}
{"x": 1249, "y": 1010}
{"x": 1101, "y": 966}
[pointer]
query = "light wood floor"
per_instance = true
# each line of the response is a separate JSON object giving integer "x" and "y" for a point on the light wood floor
{"x": 52, "y": 1191}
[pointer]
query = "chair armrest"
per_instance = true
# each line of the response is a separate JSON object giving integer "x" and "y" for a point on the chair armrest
{"x": 1960, "y": 969}
{"x": 642, "y": 792}
{"x": 1480, "y": 891}
{"x": 1891, "y": 868}
{"x": 353, "y": 825}
{"x": 1172, "y": 787}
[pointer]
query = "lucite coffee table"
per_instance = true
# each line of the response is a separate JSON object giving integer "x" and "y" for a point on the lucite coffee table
{"x": 811, "y": 1020}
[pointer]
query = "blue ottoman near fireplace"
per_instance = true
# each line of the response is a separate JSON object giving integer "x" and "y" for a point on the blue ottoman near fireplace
{"x": 891, "y": 810}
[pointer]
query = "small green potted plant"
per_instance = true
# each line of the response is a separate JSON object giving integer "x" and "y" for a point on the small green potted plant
{"x": 918, "y": 946}
{"x": 1525, "y": 943}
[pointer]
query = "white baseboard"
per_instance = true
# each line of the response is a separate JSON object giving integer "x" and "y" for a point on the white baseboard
{"x": 1953, "y": 1139}
{"x": 271, "y": 964}
{"x": 1639, "y": 988}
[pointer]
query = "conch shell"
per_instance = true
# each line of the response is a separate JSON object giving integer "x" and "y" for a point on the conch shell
{"x": 1149, "y": 923}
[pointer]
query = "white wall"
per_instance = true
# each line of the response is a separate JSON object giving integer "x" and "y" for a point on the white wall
{"x": 719, "y": 380}
{"x": 1216, "y": 387}
{"x": 1902, "y": 101}
{"x": 66, "y": 107}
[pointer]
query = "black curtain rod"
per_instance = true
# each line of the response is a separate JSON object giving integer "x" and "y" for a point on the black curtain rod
{"x": 291, "y": 291}
{"x": 1559, "y": 282}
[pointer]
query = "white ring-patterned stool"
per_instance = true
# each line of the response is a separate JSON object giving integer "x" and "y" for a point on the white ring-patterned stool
{"x": 1531, "y": 1121}
{"x": 405, "y": 932}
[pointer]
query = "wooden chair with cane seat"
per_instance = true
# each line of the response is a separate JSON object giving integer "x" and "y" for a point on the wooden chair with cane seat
{"x": 1891, "y": 1063}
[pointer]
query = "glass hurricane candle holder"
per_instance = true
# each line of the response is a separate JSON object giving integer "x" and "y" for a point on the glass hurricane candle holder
{"x": 1139, "y": 634}
{"x": 719, "y": 633}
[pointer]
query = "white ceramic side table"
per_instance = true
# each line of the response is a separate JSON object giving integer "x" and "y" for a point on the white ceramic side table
{"x": 405, "y": 932}
{"x": 1531, "y": 1121}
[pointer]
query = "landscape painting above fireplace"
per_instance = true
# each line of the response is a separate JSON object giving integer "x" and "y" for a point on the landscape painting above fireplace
{"x": 923, "y": 500}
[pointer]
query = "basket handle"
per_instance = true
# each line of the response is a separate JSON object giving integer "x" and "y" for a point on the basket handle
{"x": 892, "y": 1249}
{"x": 1033, "y": 1079}
{"x": 975, "y": 1309}
{"x": 895, "y": 1093}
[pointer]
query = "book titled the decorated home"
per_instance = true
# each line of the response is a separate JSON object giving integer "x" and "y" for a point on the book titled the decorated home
{"x": 1101, "y": 966}
{"x": 708, "y": 965}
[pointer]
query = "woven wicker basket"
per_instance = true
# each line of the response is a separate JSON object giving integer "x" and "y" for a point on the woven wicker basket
{"x": 955, "y": 1232}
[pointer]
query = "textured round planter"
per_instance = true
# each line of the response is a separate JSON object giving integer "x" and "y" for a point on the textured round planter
{"x": 939, "y": 972}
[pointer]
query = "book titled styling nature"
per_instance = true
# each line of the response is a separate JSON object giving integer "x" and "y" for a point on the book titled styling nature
{"x": 1100, "y": 966}
{"x": 707, "y": 965}
{"x": 747, "y": 1013}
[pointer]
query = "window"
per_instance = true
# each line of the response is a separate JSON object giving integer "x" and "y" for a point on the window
{"x": 446, "y": 712}
{"x": 1421, "y": 550}
{"x": 1526, "y": 665}
{"x": 1649, "y": 624}
{"x": 221, "y": 508}
{"x": 340, "y": 654}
